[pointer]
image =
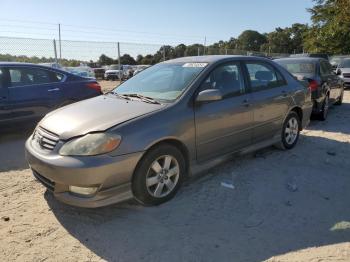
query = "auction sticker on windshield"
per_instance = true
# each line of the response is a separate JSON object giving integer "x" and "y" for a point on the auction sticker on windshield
{"x": 195, "y": 65}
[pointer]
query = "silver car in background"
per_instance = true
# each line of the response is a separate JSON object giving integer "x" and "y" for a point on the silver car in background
{"x": 343, "y": 71}
{"x": 170, "y": 121}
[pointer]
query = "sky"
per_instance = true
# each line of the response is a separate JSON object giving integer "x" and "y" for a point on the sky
{"x": 153, "y": 22}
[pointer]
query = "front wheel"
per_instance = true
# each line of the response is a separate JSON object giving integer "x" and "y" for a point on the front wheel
{"x": 340, "y": 98}
{"x": 159, "y": 175}
{"x": 290, "y": 131}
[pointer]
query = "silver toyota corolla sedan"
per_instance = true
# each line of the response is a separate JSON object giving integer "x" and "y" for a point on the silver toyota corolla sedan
{"x": 169, "y": 121}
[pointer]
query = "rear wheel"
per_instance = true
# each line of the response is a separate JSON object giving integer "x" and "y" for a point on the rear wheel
{"x": 340, "y": 98}
{"x": 159, "y": 175}
{"x": 290, "y": 131}
{"x": 325, "y": 107}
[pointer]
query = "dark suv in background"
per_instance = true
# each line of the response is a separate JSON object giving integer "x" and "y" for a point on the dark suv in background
{"x": 29, "y": 91}
{"x": 326, "y": 87}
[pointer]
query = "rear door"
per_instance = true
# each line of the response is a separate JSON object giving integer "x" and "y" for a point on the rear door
{"x": 5, "y": 112}
{"x": 330, "y": 79}
{"x": 224, "y": 126}
{"x": 271, "y": 98}
{"x": 33, "y": 91}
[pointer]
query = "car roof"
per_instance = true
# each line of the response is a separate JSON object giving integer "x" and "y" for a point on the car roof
{"x": 33, "y": 65}
{"x": 212, "y": 58}
{"x": 301, "y": 59}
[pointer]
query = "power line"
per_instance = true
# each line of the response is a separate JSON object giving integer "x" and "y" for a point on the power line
{"x": 175, "y": 36}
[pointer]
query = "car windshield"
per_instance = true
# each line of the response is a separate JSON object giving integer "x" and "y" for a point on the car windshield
{"x": 113, "y": 67}
{"x": 162, "y": 82}
{"x": 298, "y": 67}
{"x": 345, "y": 63}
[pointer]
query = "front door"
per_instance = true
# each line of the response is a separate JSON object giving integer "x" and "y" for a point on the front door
{"x": 5, "y": 112}
{"x": 224, "y": 126}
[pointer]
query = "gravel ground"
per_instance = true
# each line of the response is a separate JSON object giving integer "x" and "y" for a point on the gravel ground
{"x": 285, "y": 206}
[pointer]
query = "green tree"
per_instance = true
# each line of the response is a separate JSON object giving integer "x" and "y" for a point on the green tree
{"x": 105, "y": 60}
{"x": 330, "y": 29}
{"x": 139, "y": 59}
{"x": 285, "y": 40}
{"x": 251, "y": 40}
{"x": 127, "y": 59}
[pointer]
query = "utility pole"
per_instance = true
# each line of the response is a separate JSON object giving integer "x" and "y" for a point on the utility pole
{"x": 59, "y": 40}
{"x": 205, "y": 43}
{"x": 55, "y": 50}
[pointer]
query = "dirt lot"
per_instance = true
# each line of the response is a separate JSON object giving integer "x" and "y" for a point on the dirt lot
{"x": 108, "y": 85}
{"x": 285, "y": 206}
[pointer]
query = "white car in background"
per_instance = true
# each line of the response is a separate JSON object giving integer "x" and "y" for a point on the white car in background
{"x": 343, "y": 71}
{"x": 114, "y": 72}
{"x": 83, "y": 71}
{"x": 140, "y": 68}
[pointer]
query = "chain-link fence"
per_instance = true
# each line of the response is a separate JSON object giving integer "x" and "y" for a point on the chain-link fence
{"x": 73, "y": 53}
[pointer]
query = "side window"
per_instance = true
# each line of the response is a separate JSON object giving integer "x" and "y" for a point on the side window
{"x": 1, "y": 78}
{"x": 326, "y": 68}
{"x": 55, "y": 77}
{"x": 227, "y": 78}
{"x": 23, "y": 76}
{"x": 263, "y": 76}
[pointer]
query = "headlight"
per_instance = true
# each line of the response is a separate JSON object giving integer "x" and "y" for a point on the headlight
{"x": 91, "y": 144}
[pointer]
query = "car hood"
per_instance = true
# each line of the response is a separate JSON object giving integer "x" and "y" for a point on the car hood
{"x": 95, "y": 114}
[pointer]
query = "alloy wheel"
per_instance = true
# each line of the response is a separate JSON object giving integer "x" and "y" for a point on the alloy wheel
{"x": 162, "y": 176}
{"x": 325, "y": 107}
{"x": 291, "y": 130}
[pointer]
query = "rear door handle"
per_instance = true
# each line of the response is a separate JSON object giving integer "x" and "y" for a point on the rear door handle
{"x": 53, "y": 90}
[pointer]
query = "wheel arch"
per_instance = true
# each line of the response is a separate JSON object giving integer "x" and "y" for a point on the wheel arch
{"x": 299, "y": 112}
{"x": 173, "y": 142}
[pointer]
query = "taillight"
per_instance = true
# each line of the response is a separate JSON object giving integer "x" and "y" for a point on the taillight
{"x": 313, "y": 85}
{"x": 94, "y": 85}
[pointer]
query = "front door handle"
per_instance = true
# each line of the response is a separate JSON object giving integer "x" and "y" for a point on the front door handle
{"x": 246, "y": 103}
{"x": 53, "y": 90}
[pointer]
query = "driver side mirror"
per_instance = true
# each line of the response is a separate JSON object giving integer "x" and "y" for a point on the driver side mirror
{"x": 338, "y": 72}
{"x": 209, "y": 95}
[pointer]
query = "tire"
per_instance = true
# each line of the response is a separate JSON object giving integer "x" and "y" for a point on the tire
{"x": 153, "y": 183}
{"x": 292, "y": 123}
{"x": 340, "y": 98}
{"x": 325, "y": 107}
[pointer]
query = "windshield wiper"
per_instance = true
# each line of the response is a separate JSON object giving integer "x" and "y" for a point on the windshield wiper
{"x": 146, "y": 99}
{"x": 118, "y": 95}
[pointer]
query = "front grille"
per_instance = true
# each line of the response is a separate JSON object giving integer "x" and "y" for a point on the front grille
{"x": 347, "y": 75}
{"x": 50, "y": 185}
{"x": 45, "y": 139}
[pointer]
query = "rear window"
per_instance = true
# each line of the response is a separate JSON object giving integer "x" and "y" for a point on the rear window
{"x": 345, "y": 63}
{"x": 298, "y": 67}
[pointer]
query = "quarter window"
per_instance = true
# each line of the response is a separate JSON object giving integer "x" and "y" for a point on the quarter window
{"x": 263, "y": 76}
{"x": 326, "y": 68}
{"x": 227, "y": 78}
